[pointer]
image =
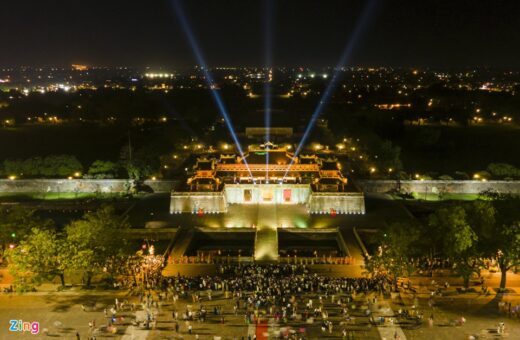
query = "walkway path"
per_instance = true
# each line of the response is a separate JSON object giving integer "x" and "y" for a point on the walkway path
{"x": 266, "y": 239}
{"x": 134, "y": 333}
{"x": 389, "y": 330}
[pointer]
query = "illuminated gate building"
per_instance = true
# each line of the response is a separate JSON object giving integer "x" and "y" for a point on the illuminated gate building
{"x": 266, "y": 175}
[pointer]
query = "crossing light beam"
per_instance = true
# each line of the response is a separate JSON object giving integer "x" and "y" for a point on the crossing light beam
{"x": 337, "y": 72}
{"x": 208, "y": 78}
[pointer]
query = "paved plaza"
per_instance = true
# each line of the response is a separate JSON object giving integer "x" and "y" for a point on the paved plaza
{"x": 62, "y": 314}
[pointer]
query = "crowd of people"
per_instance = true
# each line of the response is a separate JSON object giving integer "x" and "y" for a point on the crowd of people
{"x": 289, "y": 295}
{"x": 283, "y": 292}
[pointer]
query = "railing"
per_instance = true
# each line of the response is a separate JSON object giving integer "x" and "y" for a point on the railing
{"x": 269, "y": 167}
{"x": 197, "y": 193}
{"x": 343, "y": 260}
{"x": 331, "y": 194}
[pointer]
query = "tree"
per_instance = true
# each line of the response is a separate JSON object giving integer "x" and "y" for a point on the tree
{"x": 39, "y": 257}
{"x": 503, "y": 170}
{"x": 50, "y": 166}
{"x": 60, "y": 166}
{"x": 103, "y": 169}
{"x": 397, "y": 245}
{"x": 457, "y": 240}
{"x": 501, "y": 237}
{"x": 460, "y": 242}
{"x": 16, "y": 223}
{"x": 139, "y": 163}
{"x": 389, "y": 156}
{"x": 95, "y": 242}
{"x": 508, "y": 255}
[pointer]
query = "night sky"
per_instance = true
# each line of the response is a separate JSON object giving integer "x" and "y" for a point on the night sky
{"x": 418, "y": 33}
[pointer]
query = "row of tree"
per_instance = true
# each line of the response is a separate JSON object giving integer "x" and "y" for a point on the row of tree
{"x": 503, "y": 171}
{"x": 57, "y": 166}
{"x": 37, "y": 252}
{"x": 50, "y": 166}
{"x": 469, "y": 236}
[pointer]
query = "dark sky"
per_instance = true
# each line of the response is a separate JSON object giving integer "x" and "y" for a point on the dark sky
{"x": 449, "y": 33}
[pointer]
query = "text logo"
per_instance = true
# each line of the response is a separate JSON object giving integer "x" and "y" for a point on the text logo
{"x": 24, "y": 326}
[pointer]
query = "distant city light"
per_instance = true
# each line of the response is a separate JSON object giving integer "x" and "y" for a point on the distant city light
{"x": 159, "y": 75}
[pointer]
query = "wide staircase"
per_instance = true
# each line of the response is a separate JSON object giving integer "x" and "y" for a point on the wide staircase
{"x": 266, "y": 238}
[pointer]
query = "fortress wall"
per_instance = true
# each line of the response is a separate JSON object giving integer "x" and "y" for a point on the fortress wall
{"x": 435, "y": 186}
{"x": 192, "y": 202}
{"x": 342, "y": 203}
{"x": 79, "y": 185}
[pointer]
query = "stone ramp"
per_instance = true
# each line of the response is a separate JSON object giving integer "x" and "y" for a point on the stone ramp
{"x": 266, "y": 238}
{"x": 182, "y": 242}
{"x": 353, "y": 248}
{"x": 266, "y": 244}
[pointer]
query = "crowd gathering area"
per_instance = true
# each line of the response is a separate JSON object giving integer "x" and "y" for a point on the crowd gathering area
{"x": 272, "y": 301}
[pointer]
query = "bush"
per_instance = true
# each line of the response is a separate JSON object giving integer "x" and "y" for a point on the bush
{"x": 460, "y": 175}
{"x": 50, "y": 166}
{"x": 445, "y": 178}
{"x": 502, "y": 170}
{"x": 102, "y": 169}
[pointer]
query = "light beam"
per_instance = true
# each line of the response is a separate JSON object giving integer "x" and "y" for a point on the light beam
{"x": 208, "y": 78}
{"x": 268, "y": 9}
{"x": 345, "y": 56}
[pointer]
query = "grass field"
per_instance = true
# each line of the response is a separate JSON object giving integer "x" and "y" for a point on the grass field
{"x": 50, "y": 196}
{"x": 444, "y": 197}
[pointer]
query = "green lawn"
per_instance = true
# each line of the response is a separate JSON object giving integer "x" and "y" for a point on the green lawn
{"x": 444, "y": 197}
{"x": 44, "y": 196}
